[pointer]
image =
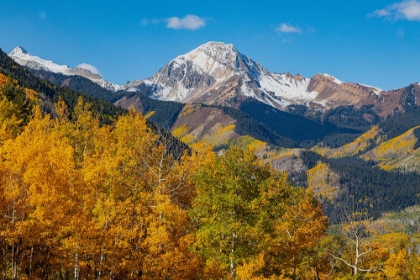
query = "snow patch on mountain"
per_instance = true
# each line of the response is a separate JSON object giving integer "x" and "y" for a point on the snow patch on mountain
{"x": 375, "y": 89}
{"x": 89, "y": 67}
{"x": 337, "y": 81}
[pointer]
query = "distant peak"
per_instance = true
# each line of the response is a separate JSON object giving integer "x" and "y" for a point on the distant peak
{"x": 18, "y": 50}
{"x": 216, "y": 45}
{"x": 329, "y": 77}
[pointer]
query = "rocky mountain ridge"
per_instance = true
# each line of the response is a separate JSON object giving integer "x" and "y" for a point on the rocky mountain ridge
{"x": 24, "y": 58}
{"x": 216, "y": 73}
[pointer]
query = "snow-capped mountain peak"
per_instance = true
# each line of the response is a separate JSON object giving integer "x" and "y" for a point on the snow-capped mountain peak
{"x": 213, "y": 58}
{"x": 18, "y": 51}
{"x": 24, "y": 58}
{"x": 216, "y": 50}
{"x": 334, "y": 79}
{"x": 217, "y": 73}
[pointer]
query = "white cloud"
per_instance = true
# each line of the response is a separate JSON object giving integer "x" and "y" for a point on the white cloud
{"x": 288, "y": 28}
{"x": 89, "y": 67}
{"x": 191, "y": 22}
{"x": 409, "y": 10}
{"x": 381, "y": 13}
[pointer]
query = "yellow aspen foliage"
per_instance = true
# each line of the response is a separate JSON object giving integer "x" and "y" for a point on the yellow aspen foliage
{"x": 41, "y": 164}
{"x": 323, "y": 181}
{"x": 15, "y": 107}
{"x": 137, "y": 214}
{"x": 297, "y": 234}
{"x": 248, "y": 269}
{"x": 83, "y": 201}
{"x": 3, "y": 79}
{"x": 9, "y": 120}
{"x": 397, "y": 267}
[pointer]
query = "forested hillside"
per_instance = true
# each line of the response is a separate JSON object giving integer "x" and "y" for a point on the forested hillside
{"x": 289, "y": 125}
{"x": 373, "y": 189}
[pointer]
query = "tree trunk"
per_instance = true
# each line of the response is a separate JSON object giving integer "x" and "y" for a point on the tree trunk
{"x": 14, "y": 269}
{"x": 232, "y": 263}
{"x": 30, "y": 262}
{"x": 76, "y": 266}
{"x": 4, "y": 260}
{"x": 356, "y": 259}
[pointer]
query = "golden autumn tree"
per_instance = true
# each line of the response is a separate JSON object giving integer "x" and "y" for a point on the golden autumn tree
{"x": 359, "y": 252}
{"x": 141, "y": 229}
{"x": 296, "y": 236}
{"x": 85, "y": 201}
{"x": 43, "y": 164}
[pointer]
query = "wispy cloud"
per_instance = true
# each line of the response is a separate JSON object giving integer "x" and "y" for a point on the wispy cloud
{"x": 89, "y": 67}
{"x": 409, "y": 10}
{"x": 191, "y": 22}
{"x": 288, "y": 28}
{"x": 42, "y": 15}
{"x": 146, "y": 21}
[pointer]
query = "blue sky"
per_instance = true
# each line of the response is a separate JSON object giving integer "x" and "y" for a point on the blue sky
{"x": 375, "y": 42}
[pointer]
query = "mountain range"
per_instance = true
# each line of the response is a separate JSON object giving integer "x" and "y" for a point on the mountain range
{"x": 218, "y": 74}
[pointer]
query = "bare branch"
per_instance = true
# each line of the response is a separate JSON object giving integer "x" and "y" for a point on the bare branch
{"x": 365, "y": 253}
{"x": 343, "y": 260}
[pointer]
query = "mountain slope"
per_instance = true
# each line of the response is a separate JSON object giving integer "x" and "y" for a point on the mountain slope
{"x": 339, "y": 182}
{"x": 78, "y": 83}
{"x": 393, "y": 153}
{"x": 305, "y": 131}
